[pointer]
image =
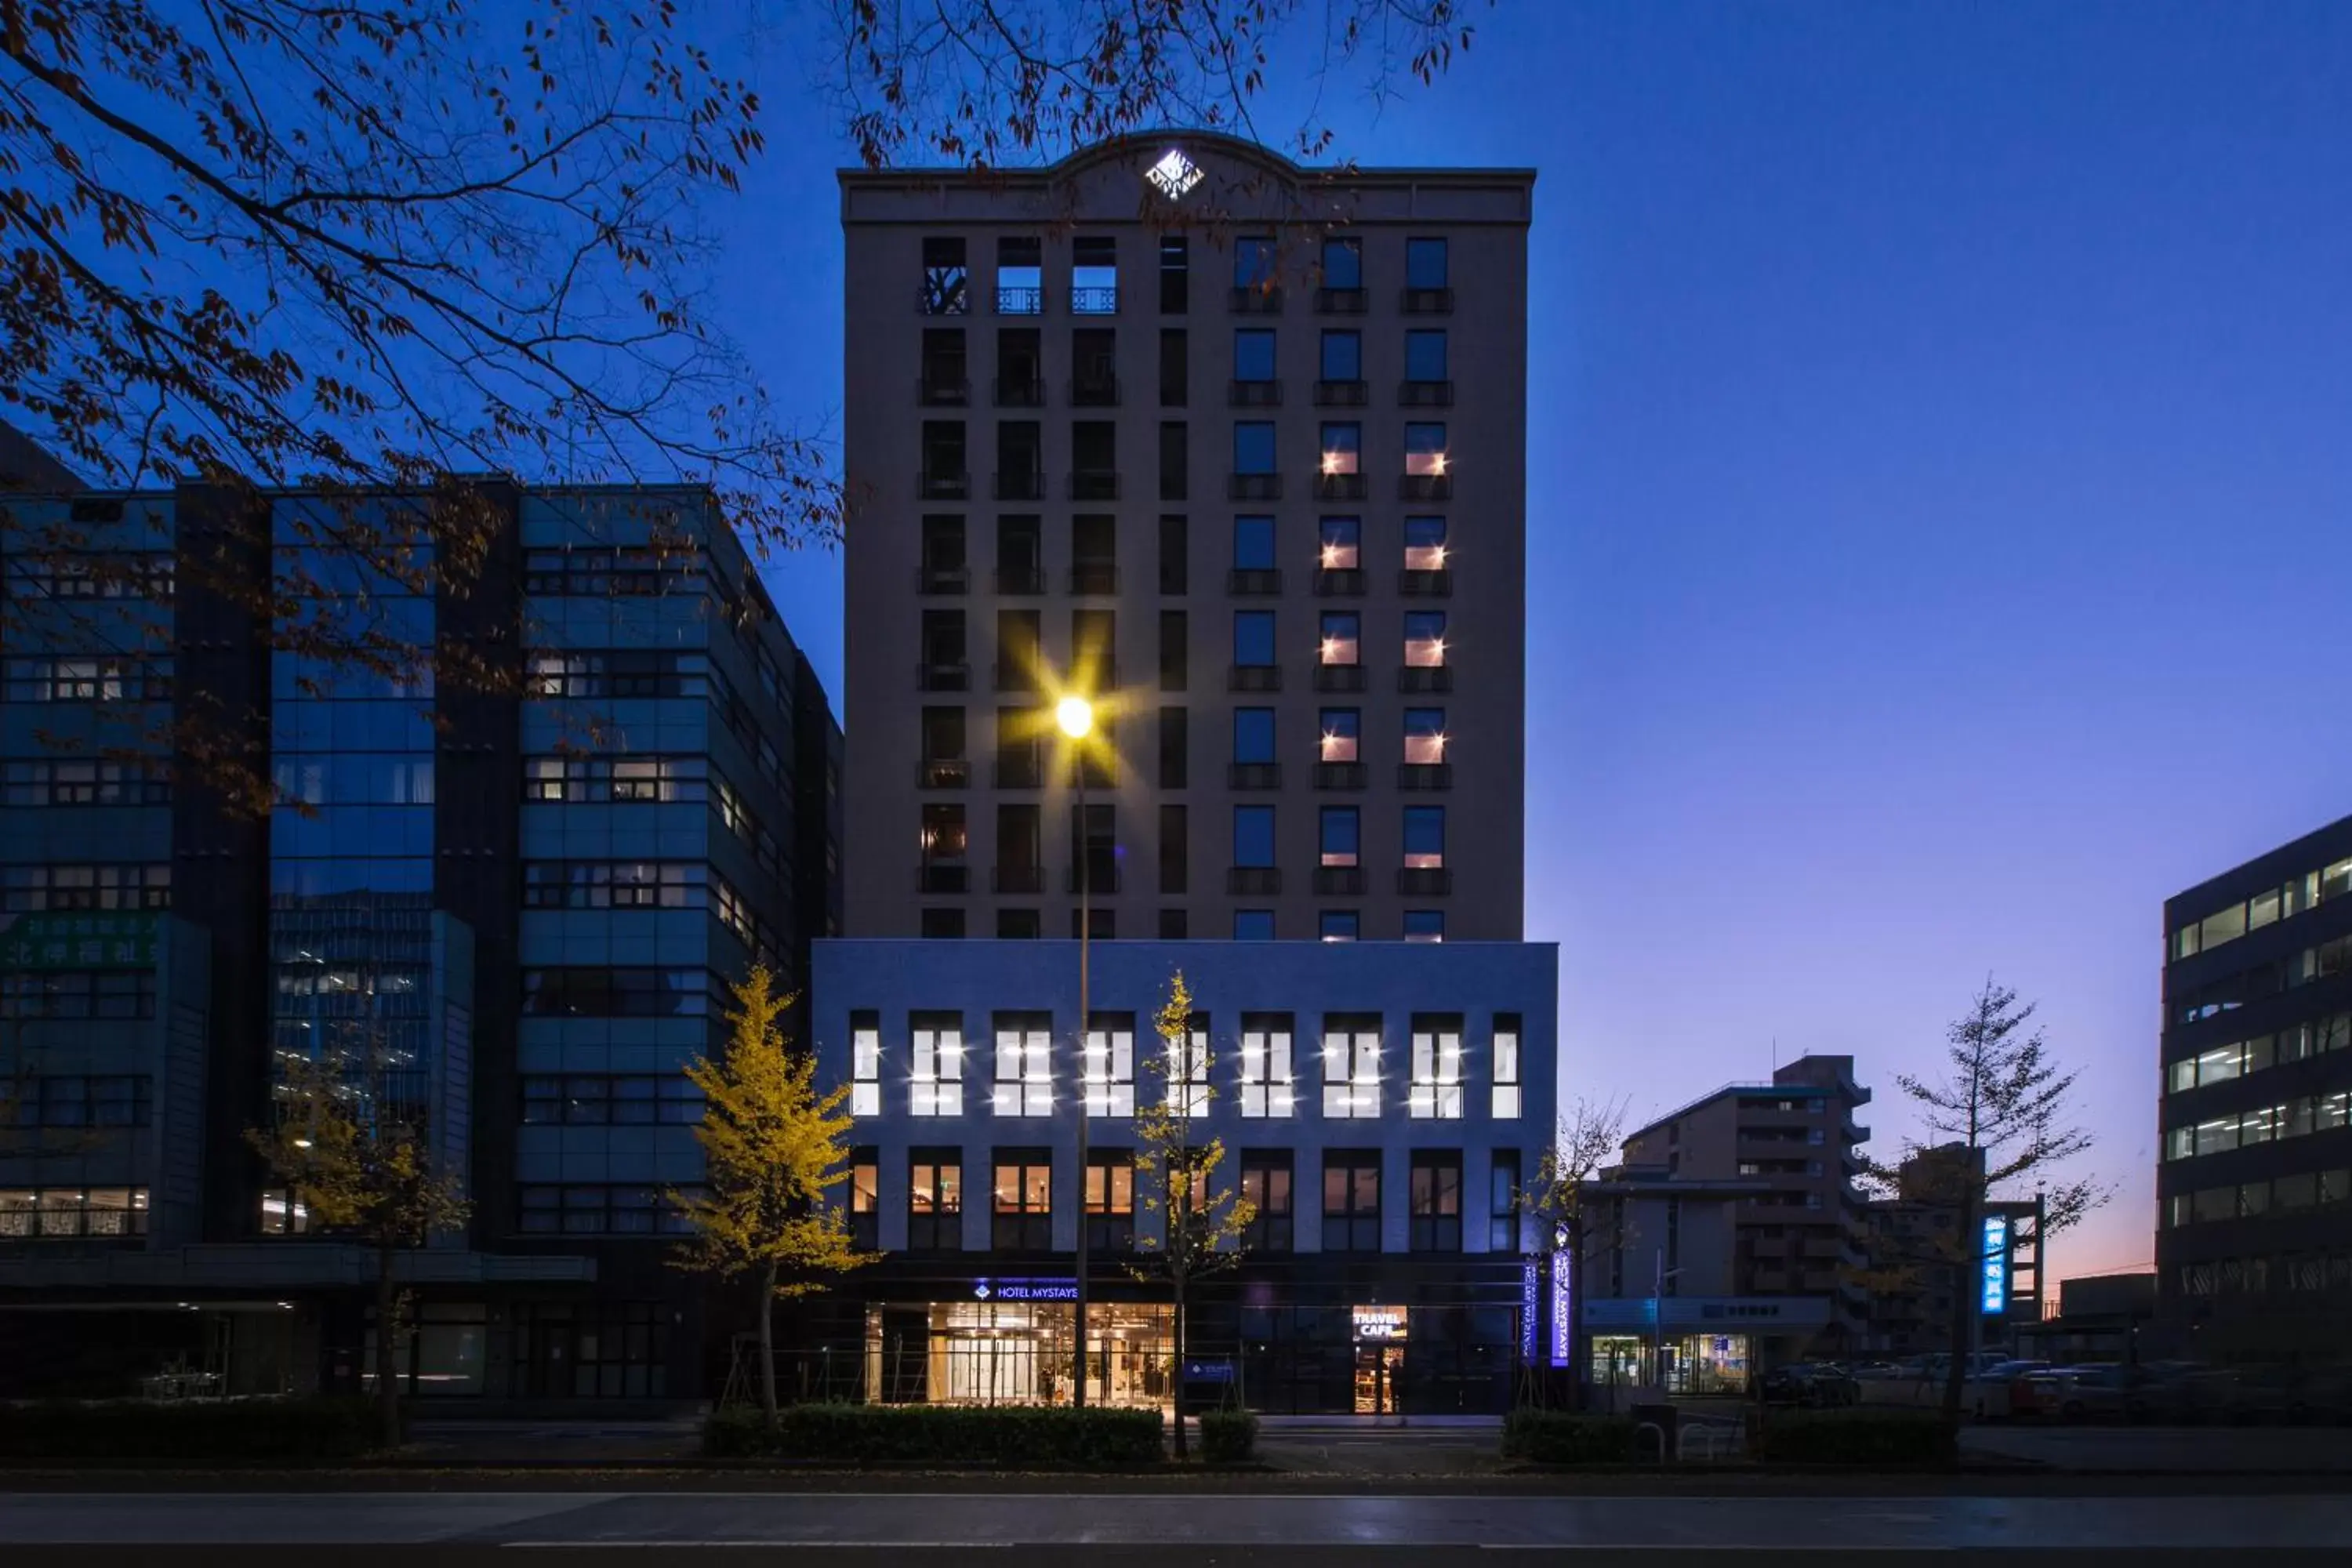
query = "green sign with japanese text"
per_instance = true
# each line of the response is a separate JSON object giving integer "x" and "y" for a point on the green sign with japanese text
{"x": 92, "y": 938}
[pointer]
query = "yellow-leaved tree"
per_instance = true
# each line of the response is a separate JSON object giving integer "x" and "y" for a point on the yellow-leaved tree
{"x": 772, "y": 1147}
{"x": 1176, "y": 1164}
{"x": 359, "y": 1165}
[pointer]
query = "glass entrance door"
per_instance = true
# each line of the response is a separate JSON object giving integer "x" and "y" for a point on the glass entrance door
{"x": 1377, "y": 1370}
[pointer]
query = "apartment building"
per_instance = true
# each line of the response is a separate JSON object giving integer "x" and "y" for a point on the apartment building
{"x": 1921, "y": 1265}
{"x": 1234, "y": 450}
{"x": 1797, "y": 1241}
{"x": 2254, "y": 1240}
{"x": 518, "y": 901}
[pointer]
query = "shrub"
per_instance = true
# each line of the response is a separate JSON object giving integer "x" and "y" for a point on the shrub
{"x": 886, "y": 1434}
{"x": 1568, "y": 1437}
{"x": 231, "y": 1431}
{"x": 1878, "y": 1436}
{"x": 1228, "y": 1436}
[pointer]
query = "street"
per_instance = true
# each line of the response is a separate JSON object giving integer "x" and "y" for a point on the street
{"x": 1158, "y": 1526}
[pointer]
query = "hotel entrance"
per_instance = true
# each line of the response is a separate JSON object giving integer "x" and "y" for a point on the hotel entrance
{"x": 1380, "y": 1333}
{"x": 1007, "y": 1353}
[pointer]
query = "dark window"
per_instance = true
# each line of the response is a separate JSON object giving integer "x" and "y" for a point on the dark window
{"x": 934, "y": 1200}
{"x": 1424, "y": 925}
{"x": 1094, "y": 276}
{"x": 1019, "y": 839}
{"x": 1265, "y": 1187}
{"x": 1020, "y": 554}
{"x": 1175, "y": 851}
{"x": 1020, "y": 639}
{"x": 1254, "y": 545}
{"x": 1253, "y": 736}
{"x": 1175, "y": 650}
{"x": 943, "y": 378}
{"x": 596, "y": 991}
{"x": 1435, "y": 1203}
{"x": 1253, "y": 447}
{"x": 1352, "y": 1201}
{"x": 1094, "y": 553}
{"x": 1254, "y": 836}
{"x": 1094, "y": 367}
{"x": 1020, "y": 461}
{"x": 942, "y": 925}
{"x": 1020, "y": 276}
{"x": 1425, "y": 355}
{"x": 1254, "y": 261}
{"x": 1253, "y": 925}
{"x": 1175, "y": 274}
{"x": 1174, "y": 926}
{"x": 1253, "y": 637}
{"x": 1174, "y": 758}
{"x": 1175, "y": 550}
{"x": 1175, "y": 367}
{"x": 943, "y": 746}
{"x": 1502, "y": 1201}
{"x": 1343, "y": 263}
{"x": 1018, "y": 748}
{"x": 1020, "y": 368}
{"x": 1253, "y": 354}
{"x": 1338, "y": 925}
{"x": 1424, "y": 264}
{"x": 946, "y": 279}
{"x": 1019, "y": 925}
{"x": 865, "y": 1200}
{"x": 1343, "y": 356}
{"x": 1175, "y": 460}
{"x": 1097, "y": 850}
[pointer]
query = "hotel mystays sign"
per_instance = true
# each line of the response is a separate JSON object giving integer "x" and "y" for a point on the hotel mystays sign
{"x": 1024, "y": 1289}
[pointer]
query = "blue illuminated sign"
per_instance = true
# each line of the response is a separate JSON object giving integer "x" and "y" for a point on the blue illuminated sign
{"x": 1563, "y": 1309}
{"x": 1994, "y": 1265}
{"x": 1024, "y": 1289}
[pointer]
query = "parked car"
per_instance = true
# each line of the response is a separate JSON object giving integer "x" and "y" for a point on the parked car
{"x": 1814, "y": 1385}
{"x": 2004, "y": 1390}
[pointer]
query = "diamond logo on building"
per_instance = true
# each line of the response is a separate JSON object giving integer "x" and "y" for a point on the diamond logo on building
{"x": 1175, "y": 174}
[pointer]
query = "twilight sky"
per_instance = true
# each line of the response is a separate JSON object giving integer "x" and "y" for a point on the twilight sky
{"x": 1940, "y": 507}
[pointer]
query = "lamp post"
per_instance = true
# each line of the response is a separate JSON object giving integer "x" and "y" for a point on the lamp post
{"x": 1076, "y": 716}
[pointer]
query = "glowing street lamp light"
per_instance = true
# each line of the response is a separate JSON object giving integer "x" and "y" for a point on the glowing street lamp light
{"x": 1076, "y": 715}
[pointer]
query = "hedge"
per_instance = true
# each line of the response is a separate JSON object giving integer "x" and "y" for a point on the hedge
{"x": 1878, "y": 1436}
{"x": 1568, "y": 1437}
{"x": 1228, "y": 1436}
{"x": 230, "y": 1429}
{"x": 954, "y": 1434}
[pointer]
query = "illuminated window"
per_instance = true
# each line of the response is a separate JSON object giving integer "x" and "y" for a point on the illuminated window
{"x": 865, "y": 1200}
{"x": 1342, "y": 639}
{"x": 1267, "y": 1088}
{"x": 1339, "y": 835}
{"x": 936, "y": 1048}
{"x": 1424, "y": 736}
{"x": 1340, "y": 542}
{"x": 1424, "y": 544}
{"x": 1111, "y": 1065}
{"x": 1436, "y": 1089}
{"x": 1351, "y": 1067}
{"x": 1424, "y": 450}
{"x": 1024, "y": 1065}
{"x": 1338, "y": 925}
{"x": 1188, "y": 1069}
{"x": 1343, "y": 449}
{"x": 935, "y": 1201}
{"x": 866, "y": 1064}
{"x": 1506, "y": 1066}
{"x": 1424, "y": 837}
{"x": 1425, "y": 638}
{"x": 1424, "y": 925}
{"x": 1341, "y": 734}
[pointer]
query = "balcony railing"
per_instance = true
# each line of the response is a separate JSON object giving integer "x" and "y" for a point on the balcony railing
{"x": 1340, "y": 394}
{"x": 1094, "y": 392}
{"x": 1253, "y": 394}
{"x": 942, "y": 579}
{"x": 1427, "y": 302}
{"x": 1094, "y": 577}
{"x": 1424, "y": 487}
{"x": 1436, "y": 584}
{"x": 943, "y": 484}
{"x": 1339, "y": 775}
{"x": 1254, "y": 582}
{"x": 1020, "y": 579}
{"x": 1020, "y": 484}
{"x": 1014, "y": 393}
{"x": 1020, "y": 301}
{"x": 1254, "y": 775}
{"x": 1099, "y": 299}
{"x": 1175, "y": 484}
{"x": 1094, "y": 484}
{"x": 1413, "y": 677}
{"x": 1016, "y": 674}
{"x": 1425, "y": 776}
{"x": 1339, "y": 582}
{"x": 934, "y": 877}
{"x": 1339, "y": 881}
{"x": 1425, "y": 394}
{"x": 1266, "y": 300}
{"x": 1340, "y": 301}
{"x": 1018, "y": 878}
{"x": 940, "y": 677}
{"x": 1254, "y": 882}
{"x": 1425, "y": 881}
{"x": 946, "y": 773}
{"x": 1253, "y": 678}
{"x": 1102, "y": 876}
{"x": 1338, "y": 486}
{"x": 942, "y": 392}
{"x": 1018, "y": 770}
{"x": 1339, "y": 678}
{"x": 1254, "y": 487}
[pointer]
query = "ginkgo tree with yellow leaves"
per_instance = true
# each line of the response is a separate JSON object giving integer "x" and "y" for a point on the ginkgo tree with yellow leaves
{"x": 772, "y": 1146}
{"x": 1176, "y": 1167}
{"x": 359, "y": 1166}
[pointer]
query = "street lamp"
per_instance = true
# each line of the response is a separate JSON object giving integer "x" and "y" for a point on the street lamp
{"x": 1076, "y": 716}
